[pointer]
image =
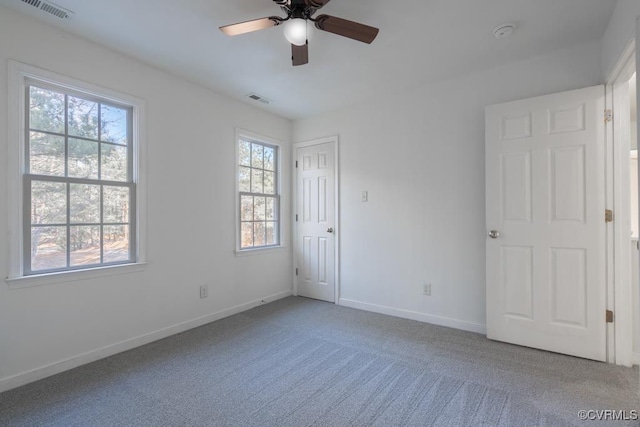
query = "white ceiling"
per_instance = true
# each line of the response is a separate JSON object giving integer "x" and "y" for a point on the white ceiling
{"x": 420, "y": 41}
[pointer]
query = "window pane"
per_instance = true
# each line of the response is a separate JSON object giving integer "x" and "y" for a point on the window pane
{"x": 85, "y": 143}
{"x": 114, "y": 162}
{"x": 246, "y": 236}
{"x": 257, "y": 175}
{"x": 116, "y": 205}
{"x": 246, "y": 207}
{"x": 113, "y": 124}
{"x": 48, "y": 202}
{"x": 270, "y": 233}
{"x": 83, "y": 159}
{"x": 85, "y": 245}
{"x": 271, "y": 209}
{"x": 257, "y": 153}
{"x": 269, "y": 183}
{"x": 244, "y": 153}
{"x": 259, "y": 209}
{"x": 269, "y": 159}
{"x": 46, "y": 154}
{"x": 116, "y": 243}
{"x": 85, "y": 203}
{"x": 244, "y": 179}
{"x": 48, "y": 248}
{"x": 259, "y": 234}
{"x": 83, "y": 118}
{"x": 257, "y": 181}
{"x": 46, "y": 110}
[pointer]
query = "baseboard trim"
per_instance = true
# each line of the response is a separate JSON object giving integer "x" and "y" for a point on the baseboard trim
{"x": 414, "y": 315}
{"x": 18, "y": 380}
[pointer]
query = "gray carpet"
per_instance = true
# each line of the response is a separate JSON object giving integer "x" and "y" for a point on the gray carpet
{"x": 299, "y": 362}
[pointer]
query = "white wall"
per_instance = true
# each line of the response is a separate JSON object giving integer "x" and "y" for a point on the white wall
{"x": 621, "y": 30}
{"x": 190, "y": 139}
{"x": 420, "y": 154}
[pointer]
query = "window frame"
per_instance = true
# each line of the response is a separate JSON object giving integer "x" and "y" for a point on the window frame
{"x": 245, "y": 135}
{"x": 20, "y": 77}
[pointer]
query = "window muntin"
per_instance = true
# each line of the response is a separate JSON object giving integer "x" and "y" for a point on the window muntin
{"x": 79, "y": 192}
{"x": 258, "y": 194}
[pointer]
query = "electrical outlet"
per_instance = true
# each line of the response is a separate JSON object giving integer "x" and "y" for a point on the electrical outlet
{"x": 364, "y": 196}
{"x": 426, "y": 289}
{"x": 204, "y": 291}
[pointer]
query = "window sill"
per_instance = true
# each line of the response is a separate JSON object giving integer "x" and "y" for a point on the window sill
{"x": 259, "y": 251}
{"x": 73, "y": 276}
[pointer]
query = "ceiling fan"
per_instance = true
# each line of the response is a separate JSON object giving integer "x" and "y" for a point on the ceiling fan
{"x": 299, "y": 13}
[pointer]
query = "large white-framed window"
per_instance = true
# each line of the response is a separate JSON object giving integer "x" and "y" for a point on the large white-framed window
{"x": 75, "y": 186}
{"x": 258, "y": 222}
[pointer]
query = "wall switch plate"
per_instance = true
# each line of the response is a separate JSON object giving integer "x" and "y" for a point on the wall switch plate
{"x": 204, "y": 291}
{"x": 364, "y": 196}
{"x": 426, "y": 290}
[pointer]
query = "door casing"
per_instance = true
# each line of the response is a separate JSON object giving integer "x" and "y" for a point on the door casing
{"x": 619, "y": 286}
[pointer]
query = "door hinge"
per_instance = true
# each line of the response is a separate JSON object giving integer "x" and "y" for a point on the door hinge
{"x": 296, "y": 217}
{"x": 608, "y": 215}
{"x": 296, "y": 271}
{"x": 608, "y": 116}
{"x": 296, "y": 164}
{"x": 609, "y": 316}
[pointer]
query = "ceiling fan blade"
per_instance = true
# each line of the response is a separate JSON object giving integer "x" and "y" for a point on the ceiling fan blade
{"x": 343, "y": 27}
{"x": 250, "y": 26}
{"x": 300, "y": 54}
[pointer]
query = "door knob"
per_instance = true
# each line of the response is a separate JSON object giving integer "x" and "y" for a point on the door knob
{"x": 330, "y": 230}
{"x": 494, "y": 234}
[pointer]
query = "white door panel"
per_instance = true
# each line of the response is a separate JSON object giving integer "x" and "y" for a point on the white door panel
{"x": 545, "y": 197}
{"x": 315, "y": 225}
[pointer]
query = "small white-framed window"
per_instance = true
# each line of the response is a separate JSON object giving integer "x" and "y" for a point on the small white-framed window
{"x": 258, "y": 192}
{"x": 75, "y": 169}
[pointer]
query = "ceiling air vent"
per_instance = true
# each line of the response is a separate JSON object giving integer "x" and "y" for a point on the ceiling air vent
{"x": 50, "y": 8}
{"x": 258, "y": 98}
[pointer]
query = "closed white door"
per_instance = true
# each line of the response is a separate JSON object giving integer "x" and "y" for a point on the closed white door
{"x": 315, "y": 221}
{"x": 545, "y": 208}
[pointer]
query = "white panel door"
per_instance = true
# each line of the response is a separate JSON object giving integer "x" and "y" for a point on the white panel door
{"x": 315, "y": 212}
{"x": 545, "y": 206}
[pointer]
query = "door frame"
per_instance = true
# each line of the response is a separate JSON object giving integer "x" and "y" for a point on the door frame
{"x": 619, "y": 286}
{"x": 336, "y": 188}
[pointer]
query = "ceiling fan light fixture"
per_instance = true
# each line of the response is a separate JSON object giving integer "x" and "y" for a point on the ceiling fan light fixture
{"x": 295, "y": 31}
